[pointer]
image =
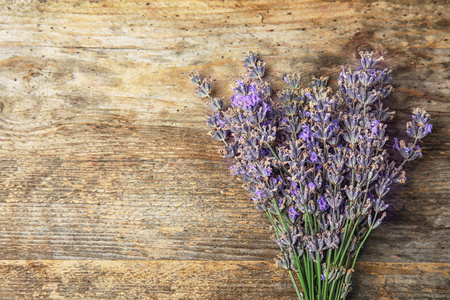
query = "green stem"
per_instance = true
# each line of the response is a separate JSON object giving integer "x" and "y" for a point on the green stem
{"x": 332, "y": 290}
{"x": 295, "y": 285}
{"x": 364, "y": 240}
{"x": 296, "y": 258}
{"x": 360, "y": 246}
{"x": 310, "y": 276}
{"x": 315, "y": 221}
{"x": 269, "y": 215}
{"x": 324, "y": 293}
{"x": 319, "y": 278}
{"x": 338, "y": 254}
{"x": 348, "y": 242}
{"x": 307, "y": 277}
{"x": 340, "y": 282}
{"x": 280, "y": 216}
{"x": 301, "y": 278}
{"x": 308, "y": 220}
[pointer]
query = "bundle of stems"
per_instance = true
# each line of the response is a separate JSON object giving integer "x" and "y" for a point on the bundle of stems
{"x": 315, "y": 162}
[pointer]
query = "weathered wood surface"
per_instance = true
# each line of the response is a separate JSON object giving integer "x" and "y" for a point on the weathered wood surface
{"x": 110, "y": 187}
{"x": 171, "y": 279}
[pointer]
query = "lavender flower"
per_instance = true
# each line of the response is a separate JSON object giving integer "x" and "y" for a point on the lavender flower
{"x": 315, "y": 161}
{"x": 314, "y": 157}
{"x": 306, "y": 132}
{"x": 246, "y": 101}
{"x": 292, "y": 213}
{"x": 323, "y": 205}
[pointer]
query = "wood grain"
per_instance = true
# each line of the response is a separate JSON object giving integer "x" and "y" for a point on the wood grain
{"x": 160, "y": 279}
{"x": 110, "y": 186}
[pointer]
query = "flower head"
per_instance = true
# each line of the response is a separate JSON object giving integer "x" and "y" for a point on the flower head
{"x": 374, "y": 127}
{"x": 293, "y": 213}
{"x": 323, "y": 205}
{"x": 306, "y": 132}
{"x": 246, "y": 101}
{"x": 314, "y": 157}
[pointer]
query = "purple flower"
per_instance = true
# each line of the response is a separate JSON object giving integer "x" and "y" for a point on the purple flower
{"x": 292, "y": 213}
{"x": 418, "y": 150}
{"x": 374, "y": 128}
{"x": 295, "y": 192}
{"x": 306, "y": 132}
{"x": 267, "y": 172}
{"x": 311, "y": 185}
{"x": 279, "y": 202}
{"x": 314, "y": 157}
{"x": 323, "y": 205}
{"x": 421, "y": 117}
{"x": 246, "y": 101}
{"x": 396, "y": 146}
{"x": 274, "y": 180}
{"x": 258, "y": 193}
{"x": 333, "y": 127}
{"x": 428, "y": 128}
{"x": 322, "y": 277}
{"x": 221, "y": 123}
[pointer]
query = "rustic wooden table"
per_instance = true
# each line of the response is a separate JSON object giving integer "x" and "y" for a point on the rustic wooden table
{"x": 110, "y": 186}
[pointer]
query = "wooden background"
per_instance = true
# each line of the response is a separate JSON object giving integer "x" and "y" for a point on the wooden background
{"x": 110, "y": 187}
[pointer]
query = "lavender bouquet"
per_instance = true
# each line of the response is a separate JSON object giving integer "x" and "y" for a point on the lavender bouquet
{"x": 315, "y": 162}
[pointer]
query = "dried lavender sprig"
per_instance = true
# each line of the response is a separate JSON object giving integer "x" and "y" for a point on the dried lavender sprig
{"x": 246, "y": 98}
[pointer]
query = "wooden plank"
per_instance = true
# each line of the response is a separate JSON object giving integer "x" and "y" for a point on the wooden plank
{"x": 389, "y": 281}
{"x": 107, "y": 279}
{"x": 104, "y": 152}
